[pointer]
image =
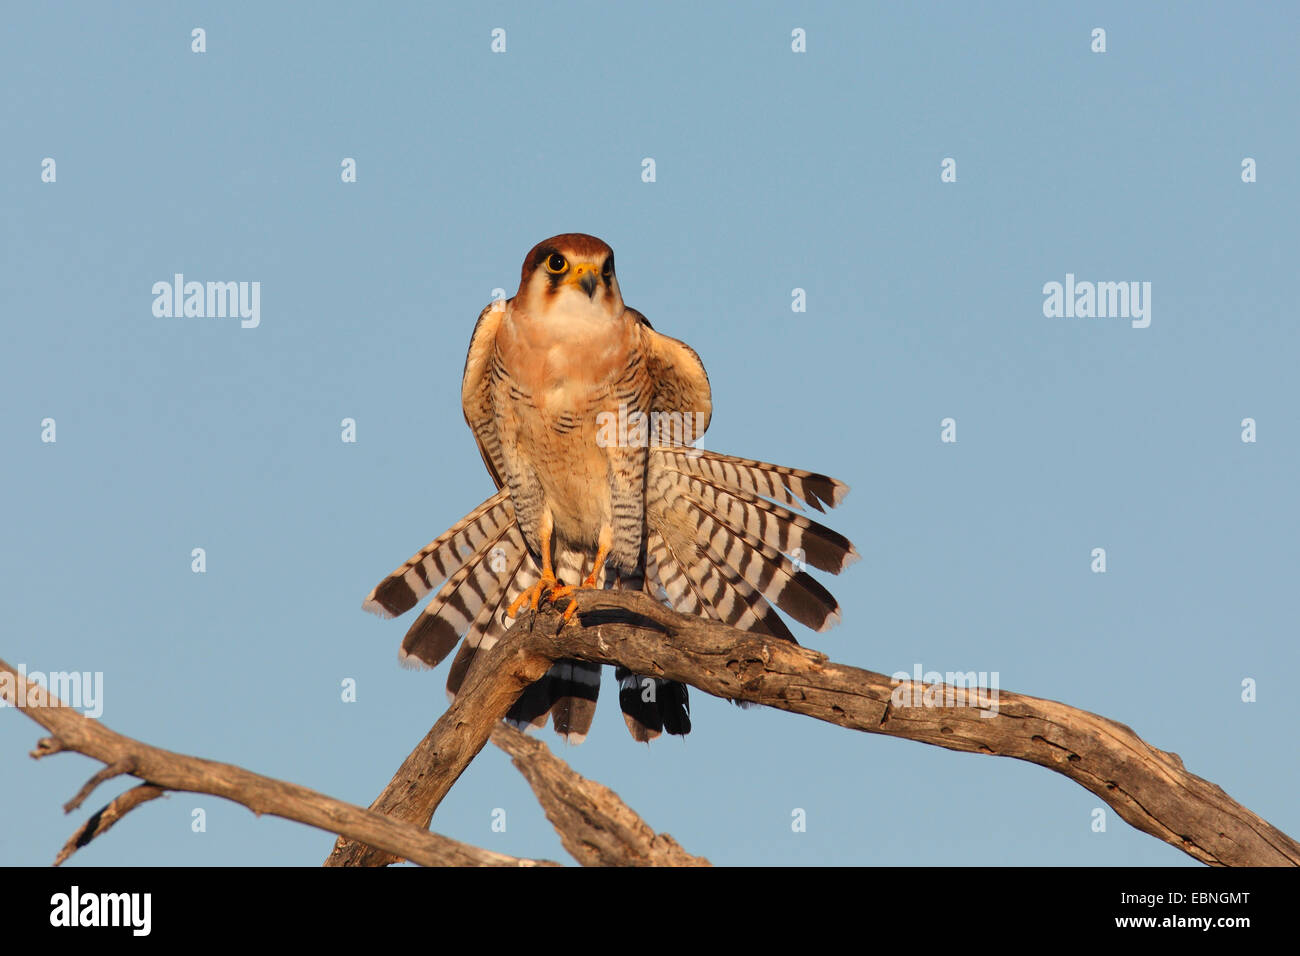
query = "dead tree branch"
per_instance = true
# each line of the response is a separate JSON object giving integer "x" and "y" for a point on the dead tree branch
{"x": 100, "y": 821}
{"x": 162, "y": 770}
{"x": 1146, "y": 786}
{"x": 594, "y": 824}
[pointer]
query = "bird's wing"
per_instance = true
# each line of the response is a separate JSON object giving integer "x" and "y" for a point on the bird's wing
{"x": 681, "y": 386}
{"x": 476, "y": 388}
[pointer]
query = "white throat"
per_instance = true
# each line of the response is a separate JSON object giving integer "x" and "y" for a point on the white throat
{"x": 570, "y": 314}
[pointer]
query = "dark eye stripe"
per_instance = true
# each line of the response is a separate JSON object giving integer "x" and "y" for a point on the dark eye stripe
{"x": 542, "y": 255}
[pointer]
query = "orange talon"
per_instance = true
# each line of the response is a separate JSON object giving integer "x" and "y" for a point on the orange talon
{"x": 566, "y": 591}
{"x": 533, "y": 594}
{"x": 588, "y": 584}
{"x": 550, "y": 588}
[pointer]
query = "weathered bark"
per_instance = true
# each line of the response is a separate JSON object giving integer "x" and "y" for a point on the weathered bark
{"x": 1146, "y": 786}
{"x": 594, "y": 824}
{"x": 101, "y": 820}
{"x": 494, "y": 681}
{"x": 162, "y": 770}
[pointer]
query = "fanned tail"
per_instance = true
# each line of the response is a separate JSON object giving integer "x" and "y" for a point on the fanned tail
{"x": 718, "y": 532}
{"x": 720, "y": 542}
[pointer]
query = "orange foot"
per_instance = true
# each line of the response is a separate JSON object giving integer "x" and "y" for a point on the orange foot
{"x": 546, "y": 586}
{"x": 568, "y": 590}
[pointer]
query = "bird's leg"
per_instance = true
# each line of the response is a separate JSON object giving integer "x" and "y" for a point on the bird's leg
{"x": 547, "y": 583}
{"x": 589, "y": 582}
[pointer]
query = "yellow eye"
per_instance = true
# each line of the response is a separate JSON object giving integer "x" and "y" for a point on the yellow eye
{"x": 555, "y": 263}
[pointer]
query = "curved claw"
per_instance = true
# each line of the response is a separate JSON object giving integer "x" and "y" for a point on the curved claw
{"x": 532, "y": 595}
{"x": 567, "y": 591}
{"x": 554, "y": 592}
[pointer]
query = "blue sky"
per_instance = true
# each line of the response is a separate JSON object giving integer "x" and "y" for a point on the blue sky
{"x": 775, "y": 170}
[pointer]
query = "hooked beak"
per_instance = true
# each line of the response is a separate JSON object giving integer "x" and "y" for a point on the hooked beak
{"x": 586, "y": 277}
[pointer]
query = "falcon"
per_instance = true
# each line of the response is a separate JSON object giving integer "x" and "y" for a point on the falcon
{"x": 587, "y": 420}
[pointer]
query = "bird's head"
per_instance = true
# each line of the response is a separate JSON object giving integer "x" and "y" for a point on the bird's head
{"x": 572, "y": 272}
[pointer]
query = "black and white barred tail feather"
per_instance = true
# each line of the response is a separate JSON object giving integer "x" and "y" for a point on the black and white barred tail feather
{"x": 770, "y": 573}
{"x": 533, "y": 706}
{"x": 690, "y": 529}
{"x": 490, "y": 622}
{"x": 756, "y": 614}
{"x": 664, "y": 572}
{"x": 448, "y": 617}
{"x": 775, "y": 526}
{"x": 789, "y": 486}
{"x": 726, "y": 596}
{"x": 715, "y": 545}
{"x": 573, "y": 688}
{"x": 442, "y": 557}
{"x": 652, "y": 705}
{"x": 681, "y": 593}
{"x": 568, "y": 690}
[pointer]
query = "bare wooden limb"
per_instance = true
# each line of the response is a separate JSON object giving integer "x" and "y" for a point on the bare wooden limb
{"x": 163, "y": 770}
{"x": 1146, "y": 786}
{"x": 494, "y": 681}
{"x": 594, "y": 824}
{"x": 45, "y": 747}
{"x": 100, "y": 821}
{"x": 126, "y": 765}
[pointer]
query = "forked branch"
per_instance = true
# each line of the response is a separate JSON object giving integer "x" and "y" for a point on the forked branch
{"x": 161, "y": 770}
{"x": 593, "y": 822}
{"x": 1146, "y": 786}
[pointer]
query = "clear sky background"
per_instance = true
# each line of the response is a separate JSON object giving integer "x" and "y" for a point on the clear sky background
{"x": 775, "y": 170}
